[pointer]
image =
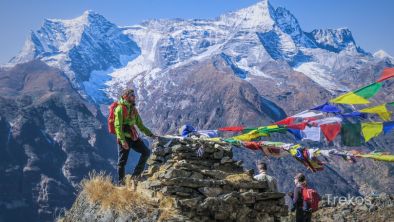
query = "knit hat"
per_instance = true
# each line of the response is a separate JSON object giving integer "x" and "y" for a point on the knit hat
{"x": 127, "y": 92}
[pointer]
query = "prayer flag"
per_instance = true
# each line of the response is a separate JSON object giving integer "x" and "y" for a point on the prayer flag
{"x": 386, "y": 74}
{"x": 381, "y": 110}
{"x": 359, "y": 96}
{"x": 232, "y": 128}
{"x": 371, "y": 130}
{"x": 388, "y": 126}
{"x": 326, "y": 107}
{"x": 354, "y": 114}
{"x": 311, "y": 133}
{"x": 379, "y": 156}
{"x": 351, "y": 134}
{"x": 331, "y": 130}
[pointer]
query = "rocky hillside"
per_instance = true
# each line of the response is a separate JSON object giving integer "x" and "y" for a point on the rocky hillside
{"x": 187, "y": 180}
{"x": 50, "y": 138}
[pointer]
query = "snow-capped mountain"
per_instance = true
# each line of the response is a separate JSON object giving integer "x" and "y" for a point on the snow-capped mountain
{"x": 334, "y": 40}
{"x": 261, "y": 45}
{"x": 381, "y": 54}
{"x": 96, "y": 55}
{"x": 82, "y": 47}
{"x": 248, "y": 40}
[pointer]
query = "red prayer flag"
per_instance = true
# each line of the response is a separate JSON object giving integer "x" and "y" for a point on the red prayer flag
{"x": 330, "y": 130}
{"x": 299, "y": 126}
{"x": 386, "y": 74}
{"x": 310, "y": 119}
{"x": 252, "y": 145}
{"x": 287, "y": 121}
{"x": 232, "y": 128}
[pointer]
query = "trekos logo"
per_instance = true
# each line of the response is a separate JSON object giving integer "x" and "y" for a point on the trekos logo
{"x": 349, "y": 200}
{"x": 355, "y": 200}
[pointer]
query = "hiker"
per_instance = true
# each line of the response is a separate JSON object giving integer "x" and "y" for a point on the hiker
{"x": 272, "y": 183}
{"x": 305, "y": 199}
{"x": 127, "y": 136}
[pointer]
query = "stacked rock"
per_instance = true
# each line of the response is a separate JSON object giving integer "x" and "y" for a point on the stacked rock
{"x": 200, "y": 181}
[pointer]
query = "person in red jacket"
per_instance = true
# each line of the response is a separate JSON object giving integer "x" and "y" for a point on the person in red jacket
{"x": 127, "y": 135}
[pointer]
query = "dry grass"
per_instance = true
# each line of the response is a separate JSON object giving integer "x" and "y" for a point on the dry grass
{"x": 166, "y": 215}
{"x": 167, "y": 209}
{"x": 238, "y": 178}
{"x": 60, "y": 219}
{"x": 100, "y": 189}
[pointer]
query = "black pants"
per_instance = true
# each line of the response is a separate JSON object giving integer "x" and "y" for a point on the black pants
{"x": 123, "y": 155}
{"x": 303, "y": 216}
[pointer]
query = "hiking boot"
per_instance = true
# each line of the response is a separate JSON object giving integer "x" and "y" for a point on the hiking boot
{"x": 121, "y": 183}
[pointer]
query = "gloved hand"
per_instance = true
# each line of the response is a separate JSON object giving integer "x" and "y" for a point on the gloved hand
{"x": 125, "y": 145}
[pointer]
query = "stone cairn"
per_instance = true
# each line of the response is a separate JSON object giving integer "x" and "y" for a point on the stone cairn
{"x": 198, "y": 180}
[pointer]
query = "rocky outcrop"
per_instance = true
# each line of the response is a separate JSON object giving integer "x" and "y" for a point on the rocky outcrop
{"x": 194, "y": 180}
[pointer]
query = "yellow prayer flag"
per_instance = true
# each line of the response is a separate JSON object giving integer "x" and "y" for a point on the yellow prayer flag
{"x": 215, "y": 139}
{"x": 293, "y": 149}
{"x": 381, "y": 110}
{"x": 371, "y": 130}
{"x": 359, "y": 96}
{"x": 379, "y": 157}
{"x": 250, "y": 136}
{"x": 349, "y": 98}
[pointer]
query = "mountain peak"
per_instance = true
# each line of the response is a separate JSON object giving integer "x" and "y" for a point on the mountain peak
{"x": 259, "y": 15}
{"x": 89, "y": 13}
{"x": 87, "y": 17}
{"x": 334, "y": 40}
{"x": 287, "y": 21}
{"x": 83, "y": 44}
{"x": 382, "y": 54}
{"x": 60, "y": 35}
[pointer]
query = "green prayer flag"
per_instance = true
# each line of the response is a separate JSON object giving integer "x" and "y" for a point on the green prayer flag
{"x": 369, "y": 91}
{"x": 232, "y": 141}
{"x": 351, "y": 134}
{"x": 247, "y": 130}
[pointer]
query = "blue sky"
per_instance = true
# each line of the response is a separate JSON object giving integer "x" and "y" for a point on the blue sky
{"x": 371, "y": 21}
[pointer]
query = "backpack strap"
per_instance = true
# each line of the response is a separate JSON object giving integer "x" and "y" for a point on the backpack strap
{"x": 303, "y": 191}
{"x": 133, "y": 112}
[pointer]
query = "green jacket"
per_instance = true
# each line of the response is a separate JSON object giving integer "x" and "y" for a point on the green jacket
{"x": 130, "y": 120}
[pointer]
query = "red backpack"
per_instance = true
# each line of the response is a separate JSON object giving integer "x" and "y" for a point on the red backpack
{"x": 111, "y": 117}
{"x": 311, "y": 197}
